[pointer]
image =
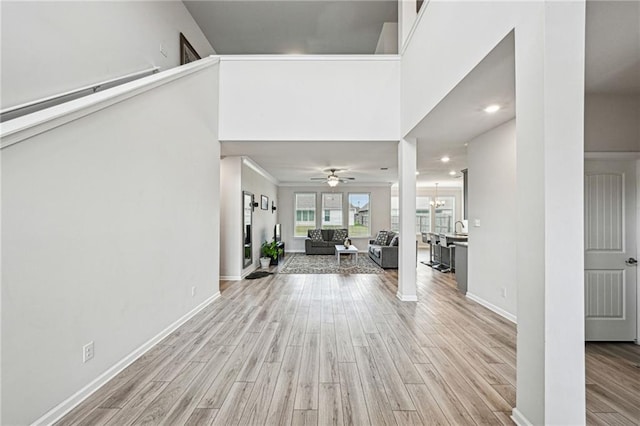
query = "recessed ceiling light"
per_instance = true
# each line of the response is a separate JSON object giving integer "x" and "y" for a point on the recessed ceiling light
{"x": 452, "y": 173}
{"x": 492, "y": 108}
{"x": 417, "y": 173}
{"x": 445, "y": 159}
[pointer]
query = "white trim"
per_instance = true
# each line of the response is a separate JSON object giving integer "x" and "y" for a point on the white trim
{"x": 74, "y": 400}
{"x": 27, "y": 126}
{"x": 231, "y": 278}
{"x": 519, "y": 419}
{"x": 342, "y": 185}
{"x": 493, "y": 307}
{"x": 612, "y": 155}
{"x": 407, "y": 297}
{"x": 413, "y": 28}
{"x": 308, "y": 58}
{"x": 262, "y": 172}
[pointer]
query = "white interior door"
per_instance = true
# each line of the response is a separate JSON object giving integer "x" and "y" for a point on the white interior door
{"x": 610, "y": 243}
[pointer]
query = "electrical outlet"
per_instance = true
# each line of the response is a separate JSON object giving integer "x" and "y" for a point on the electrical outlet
{"x": 87, "y": 352}
{"x": 504, "y": 292}
{"x": 163, "y": 50}
{"x": 193, "y": 291}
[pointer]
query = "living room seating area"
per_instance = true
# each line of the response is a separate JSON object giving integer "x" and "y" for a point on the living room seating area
{"x": 324, "y": 241}
{"x": 383, "y": 250}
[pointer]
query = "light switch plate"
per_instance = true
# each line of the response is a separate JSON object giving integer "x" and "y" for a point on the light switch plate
{"x": 476, "y": 223}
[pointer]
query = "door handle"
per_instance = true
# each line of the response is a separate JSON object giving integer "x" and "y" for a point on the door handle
{"x": 631, "y": 262}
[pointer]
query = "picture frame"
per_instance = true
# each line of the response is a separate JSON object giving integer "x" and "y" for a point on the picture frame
{"x": 187, "y": 52}
{"x": 264, "y": 202}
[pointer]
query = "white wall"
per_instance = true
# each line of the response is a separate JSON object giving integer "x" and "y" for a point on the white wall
{"x": 440, "y": 54}
{"x": 612, "y": 123}
{"x": 388, "y": 40}
{"x": 108, "y": 222}
{"x": 492, "y": 200}
{"x": 237, "y": 175}
{"x": 52, "y": 47}
{"x": 263, "y": 220}
{"x": 286, "y": 98}
{"x": 450, "y": 39}
{"x": 380, "y": 211}
{"x": 231, "y": 219}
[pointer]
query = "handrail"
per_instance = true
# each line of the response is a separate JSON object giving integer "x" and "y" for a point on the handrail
{"x": 27, "y": 126}
{"x": 37, "y": 105}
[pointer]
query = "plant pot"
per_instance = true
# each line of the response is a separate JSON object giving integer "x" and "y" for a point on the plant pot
{"x": 265, "y": 262}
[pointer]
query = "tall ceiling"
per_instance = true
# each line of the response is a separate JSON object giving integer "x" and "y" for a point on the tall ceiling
{"x": 293, "y": 26}
{"x": 612, "y": 39}
{"x": 612, "y": 66}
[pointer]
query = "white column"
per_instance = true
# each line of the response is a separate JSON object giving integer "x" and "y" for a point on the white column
{"x": 550, "y": 252}
{"x": 407, "y": 203}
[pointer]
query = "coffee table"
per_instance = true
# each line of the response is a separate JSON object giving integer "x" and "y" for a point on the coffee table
{"x": 340, "y": 249}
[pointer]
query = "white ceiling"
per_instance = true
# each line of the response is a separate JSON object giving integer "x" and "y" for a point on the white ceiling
{"x": 612, "y": 57}
{"x": 293, "y": 26}
{"x": 459, "y": 117}
{"x": 298, "y": 162}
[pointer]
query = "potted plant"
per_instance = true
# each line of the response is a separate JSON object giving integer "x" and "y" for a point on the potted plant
{"x": 270, "y": 253}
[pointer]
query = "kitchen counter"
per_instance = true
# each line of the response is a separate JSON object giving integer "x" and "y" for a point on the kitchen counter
{"x": 461, "y": 265}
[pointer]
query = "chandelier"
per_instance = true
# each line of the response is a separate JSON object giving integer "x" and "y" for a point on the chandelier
{"x": 437, "y": 203}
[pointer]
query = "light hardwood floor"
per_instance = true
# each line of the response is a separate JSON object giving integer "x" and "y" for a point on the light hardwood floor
{"x": 341, "y": 349}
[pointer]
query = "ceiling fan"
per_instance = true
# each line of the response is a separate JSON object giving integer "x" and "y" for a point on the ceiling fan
{"x": 333, "y": 179}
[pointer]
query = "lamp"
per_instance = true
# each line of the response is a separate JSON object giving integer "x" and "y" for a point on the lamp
{"x": 333, "y": 181}
{"x": 436, "y": 203}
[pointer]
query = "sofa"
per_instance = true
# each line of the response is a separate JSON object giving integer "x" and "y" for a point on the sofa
{"x": 324, "y": 246}
{"x": 385, "y": 253}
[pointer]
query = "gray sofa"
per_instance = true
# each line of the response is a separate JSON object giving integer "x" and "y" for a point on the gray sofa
{"x": 386, "y": 256}
{"x": 326, "y": 246}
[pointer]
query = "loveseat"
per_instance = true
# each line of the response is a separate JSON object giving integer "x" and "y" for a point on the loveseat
{"x": 384, "y": 250}
{"x": 325, "y": 246}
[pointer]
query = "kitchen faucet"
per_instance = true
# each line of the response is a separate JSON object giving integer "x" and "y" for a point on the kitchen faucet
{"x": 456, "y": 224}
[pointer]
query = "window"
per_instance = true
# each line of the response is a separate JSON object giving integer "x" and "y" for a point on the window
{"x": 444, "y": 215}
{"x": 395, "y": 213}
{"x": 332, "y": 211}
{"x": 423, "y": 214}
{"x": 359, "y": 215}
{"x": 305, "y": 213}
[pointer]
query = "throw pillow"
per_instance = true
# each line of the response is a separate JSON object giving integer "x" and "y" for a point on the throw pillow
{"x": 390, "y": 236}
{"x": 339, "y": 235}
{"x": 394, "y": 241}
{"x": 381, "y": 238}
{"x": 315, "y": 235}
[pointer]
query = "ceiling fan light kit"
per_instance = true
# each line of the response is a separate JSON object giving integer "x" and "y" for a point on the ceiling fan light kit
{"x": 333, "y": 180}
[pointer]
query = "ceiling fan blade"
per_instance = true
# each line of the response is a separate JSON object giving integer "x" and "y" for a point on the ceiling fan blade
{"x": 318, "y": 178}
{"x": 349, "y": 178}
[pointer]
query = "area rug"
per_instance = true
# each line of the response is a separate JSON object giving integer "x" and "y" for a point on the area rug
{"x": 300, "y": 263}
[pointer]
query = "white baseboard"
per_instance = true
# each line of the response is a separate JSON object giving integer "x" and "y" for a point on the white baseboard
{"x": 230, "y": 277}
{"x": 519, "y": 418}
{"x": 70, "y": 403}
{"x": 407, "y": 298}
{"x": 493, "y": 308}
